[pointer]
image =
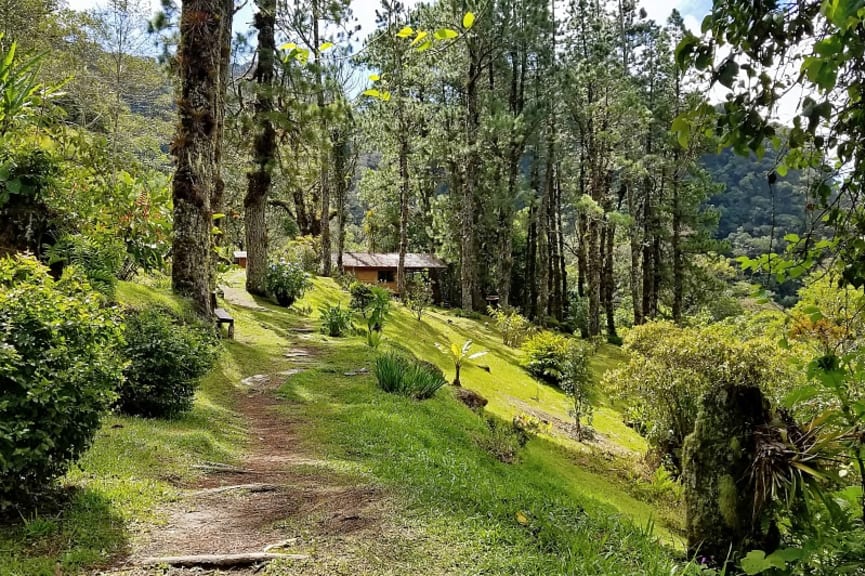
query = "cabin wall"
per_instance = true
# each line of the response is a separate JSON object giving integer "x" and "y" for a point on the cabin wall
{"x": 370, "y": 276}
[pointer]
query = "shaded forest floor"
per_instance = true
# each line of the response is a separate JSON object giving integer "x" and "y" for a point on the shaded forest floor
{"x": 292, "y": 448}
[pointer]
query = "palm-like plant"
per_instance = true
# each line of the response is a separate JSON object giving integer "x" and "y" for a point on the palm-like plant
{"x": 460, "y": 355}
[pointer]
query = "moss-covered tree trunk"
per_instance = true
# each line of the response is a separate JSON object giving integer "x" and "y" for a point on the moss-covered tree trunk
{"x": 717, "y": 456}
{"x": 194, "y": 147}
{"x": 259, "y": 179}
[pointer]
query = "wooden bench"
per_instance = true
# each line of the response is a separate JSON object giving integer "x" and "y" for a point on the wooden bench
{"x": 222, "y": 316}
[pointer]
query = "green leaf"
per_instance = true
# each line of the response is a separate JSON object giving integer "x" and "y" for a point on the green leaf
{"x": 445, "y": 34}
{"x": 374, "y": 77}
{"x": 682, "y": 128}
{"x": 782, "y": 170}
{"x": 372, "y": 92}
{"x": 13, "y": 186}
{"x": 288, "y": 46}
{"x": 727, "y": 73}
{"x": 468, "y": 20}
{"x": 405, "y": 32}
{"x": 419, "y": 38}
{"x": 685, "y": 49}
{"x": 755, "y": 562}
{"x": 325, "y": 47}
{"x": 425, "y": 46}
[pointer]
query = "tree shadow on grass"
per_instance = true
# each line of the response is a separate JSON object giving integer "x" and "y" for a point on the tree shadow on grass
{"x": 73, "y": 527}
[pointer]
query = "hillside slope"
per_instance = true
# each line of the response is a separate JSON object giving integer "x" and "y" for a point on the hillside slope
{"x": 363, "y": 482}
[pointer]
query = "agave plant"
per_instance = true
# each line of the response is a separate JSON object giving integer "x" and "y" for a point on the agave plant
{"x": 459, "y": 356}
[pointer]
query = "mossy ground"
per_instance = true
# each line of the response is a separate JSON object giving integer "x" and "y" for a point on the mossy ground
{"x": 561, "y": 509}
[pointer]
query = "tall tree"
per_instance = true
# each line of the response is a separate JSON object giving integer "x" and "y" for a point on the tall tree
{"x": 199, "y": 58}
{"x": 264, "y": 150}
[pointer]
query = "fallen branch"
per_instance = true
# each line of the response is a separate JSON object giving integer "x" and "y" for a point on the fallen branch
{"x": 222, "y": 468}
{"x": 254, "y": 488}
{"x": 219, "y": 560}
{"x": 278, "y": 545}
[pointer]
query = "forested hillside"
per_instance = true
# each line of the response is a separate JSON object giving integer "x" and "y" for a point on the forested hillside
{"x": 493, "y": 287}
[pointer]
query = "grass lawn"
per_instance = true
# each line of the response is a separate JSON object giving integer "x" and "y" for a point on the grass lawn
{"x": 560, "y": 509}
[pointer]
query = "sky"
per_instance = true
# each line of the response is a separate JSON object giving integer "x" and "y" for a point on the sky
{"x": 692, "y": 11}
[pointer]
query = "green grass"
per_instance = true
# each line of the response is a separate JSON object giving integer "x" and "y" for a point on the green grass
{"x": 456, "y": 505}
{"x": 506, "y": 385}
{"x": 430, "y": 453}
{"x": 133, "y": 466}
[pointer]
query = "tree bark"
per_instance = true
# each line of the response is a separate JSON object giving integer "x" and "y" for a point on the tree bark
{"x": 634, "y": 239}
{"x": 194, "y": 148}
{"x": 324, "y": 226}
{"x": 609, "y": 279}
{"x": 468, "y": 263}
{"x": 264, "y": 150}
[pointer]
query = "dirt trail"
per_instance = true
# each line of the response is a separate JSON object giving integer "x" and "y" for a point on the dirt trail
{"x": 263, "y": 503}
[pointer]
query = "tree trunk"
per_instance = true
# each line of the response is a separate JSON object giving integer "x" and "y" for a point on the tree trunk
{"x": 341, "y": 167}
{"x": 678, "y": 258}
{"x": 264, "y": 150}
{"x": 609, "y": 279}
{"x": 217, "y": 199}
{"x": 543, "y": 250}
{"x": 324, "y": 226}
{"x": 468, "y": 262}
{"x": 404, "y": 192}
{"x": 194, "y": 148}
{"x": 648, "y": 254}
{"x": 634, "y": 238}
{"x": 595, "y": 266}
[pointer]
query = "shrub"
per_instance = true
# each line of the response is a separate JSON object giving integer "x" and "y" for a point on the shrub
{"x": 166, "y": 359}
{"x": 515, "y": 327}
{"x": 400, "y": 374}
{"x": 58, "y": 372}
{"x": 419, "y": 294}
{"x": 503, "y": 441}
{"x": 546, "y": 355}
{"x": 286, "y": 281}
{"x": 334, "y": 320}
{"x": 670, "y": 368}
{"x": 361, "y": 297}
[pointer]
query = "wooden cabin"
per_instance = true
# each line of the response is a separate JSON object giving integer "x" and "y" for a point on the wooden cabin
{"x": 380, "y": 268}
{"x": 240, "y": 258}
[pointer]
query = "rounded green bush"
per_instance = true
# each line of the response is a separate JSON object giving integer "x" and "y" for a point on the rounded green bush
{"x": 59, "y": 368}
{"x": 166, "y": 359}
{"x": 286, "y": 281}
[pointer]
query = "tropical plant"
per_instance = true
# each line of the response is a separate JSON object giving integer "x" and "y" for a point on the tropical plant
{"x": 400, "y": 374}
{"x": 166, "y": 359}
{"x": 286, "y": 281}
{"x": 59, "y": 368}
{"x": 20, "y": 91}
{"x": 99, "y": 258}
{"x": 334, "y": 320}
{"x": 546, "y": 356}
{"x": 459, "y": 355}
{"x": 515, "y": 327}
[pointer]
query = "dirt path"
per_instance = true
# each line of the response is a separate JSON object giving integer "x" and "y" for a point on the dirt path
{"x": 279, "y": 499}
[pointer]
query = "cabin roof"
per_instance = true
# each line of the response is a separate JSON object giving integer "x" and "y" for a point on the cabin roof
{"x": 389, "y": 260}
